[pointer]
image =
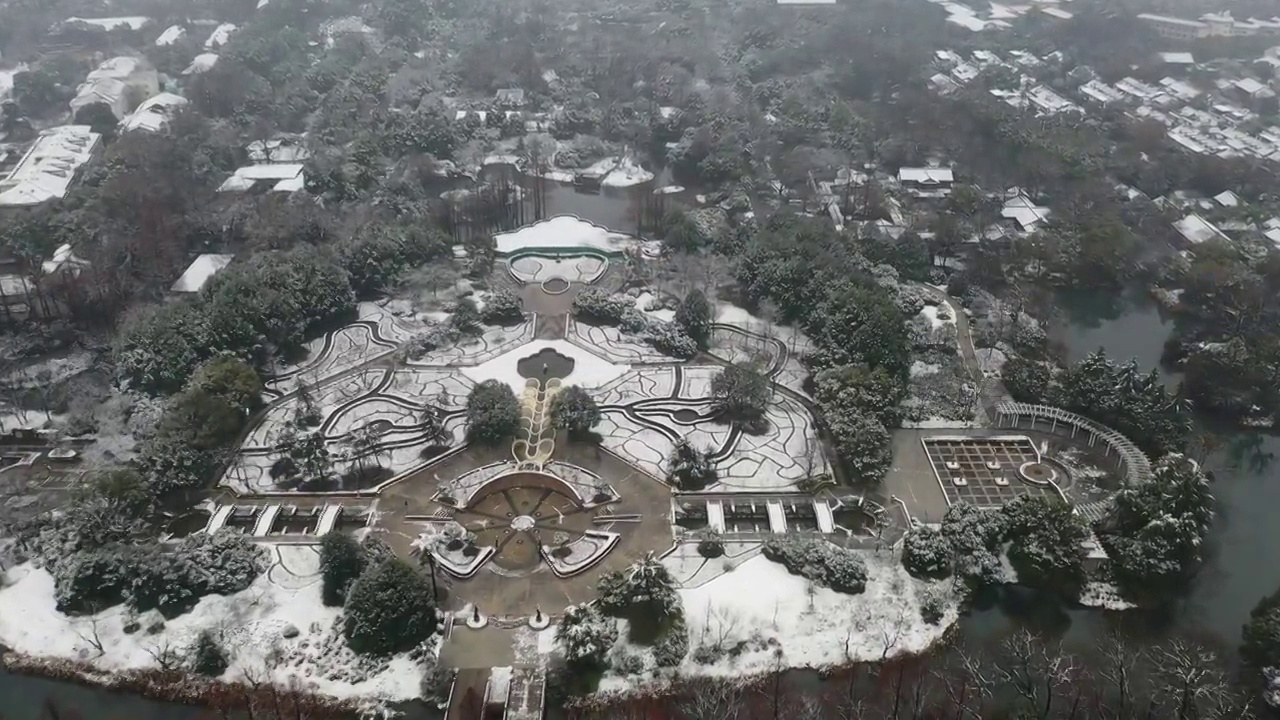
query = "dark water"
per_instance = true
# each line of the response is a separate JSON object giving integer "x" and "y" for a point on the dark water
{"x": 23, "y": 698}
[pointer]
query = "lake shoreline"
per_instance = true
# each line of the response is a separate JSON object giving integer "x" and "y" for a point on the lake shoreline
{"x": 178, "y": 687}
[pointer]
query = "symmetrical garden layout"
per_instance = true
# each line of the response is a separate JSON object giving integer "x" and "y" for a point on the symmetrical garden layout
{"x": 535, "y": 522}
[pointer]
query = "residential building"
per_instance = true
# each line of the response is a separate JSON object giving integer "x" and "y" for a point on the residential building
{"x": 513, "y": 97}
{"x": 1101, "y": 92}
{"x": 49, "y": 166}
{"x": 117, "y": 83}
{"x": 1023, "y": 211}
{"x": 219, "y": 36}
{"x": 352, "y": 26}
{"x": 200, "y": 272}
{"x": 201, "y": 63}
{"x": 154, "y": 114}
{"x": 1176, "y": 28}
{"x": 282, "y": 149}
{"x": 927, "y": 182}
{"x": 1196, "y": 230}
{"x": 135, "y": 22}
{"x": 171, "y": 35}
{"x": 269, "y": 177}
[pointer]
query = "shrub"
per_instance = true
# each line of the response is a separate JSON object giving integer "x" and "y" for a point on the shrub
{"x": 172, "y": 581}
{"x": 629, "y": 664}
{"x": 207, "y": 656}
{"x": 673, "y": 645}
{"x": 389, "y": 609}
{"x": 229, "y": 562}
{"x": 932, "y": 606}
{"x": 711, "y": 545}
{"x": 376, "y": 550}
{"x": 694, "y": 316}
{"x": 586, "y": 635}
{"x": 90, "y": 580}
{"x": 671, "y": 339}
{"x": 926, "y": 553}
{"x": 820, "y": 561}
{"x": 595, "y": 305}
{"x": 341, "y": 562}
{"x": 690, "y": 468}
{"x": 492, "y": 413}
{"x": 503, "y": 307}
{"x": 740, "y": 395}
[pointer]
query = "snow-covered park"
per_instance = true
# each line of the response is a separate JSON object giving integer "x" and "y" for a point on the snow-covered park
{"x": 275, "y": 629}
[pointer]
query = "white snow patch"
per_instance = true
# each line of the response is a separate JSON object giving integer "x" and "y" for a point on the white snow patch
{"x": 920, "y": 368}
{"x": 627, "y": 173}
{"x": 937, "y": 318}
{"x": 562, "y": 231}
{"x": 170, "y": 35}
{"x": 762, "y": 604}
{"x": 588, "y": 369}
{"x": 1104, "y": 595}
{"x": 645, "y": 300}
{"x": 251, "y": 623}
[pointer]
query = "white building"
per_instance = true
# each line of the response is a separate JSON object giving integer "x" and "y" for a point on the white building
{"x": 115, "y": 83}
{"x": 133, "y": 22}
{"x": 927, "y": 182}
{"x": 219, "y": 36}
{"x": 1196, "y": 230}
{"x": 276, "y": 177}
{"x": 171, "y": 35}
{"x": 200, "y": 272}
{"x": 49, "y": 167}
{"x": 201, "y": 63}
{"x": 154, "y": 114}
{"x": 1101, "y": 92}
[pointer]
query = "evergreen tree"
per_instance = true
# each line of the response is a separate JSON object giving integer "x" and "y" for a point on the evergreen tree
{"x": 740, "y": 395}
{"x": 493, "y": 414}
{"x": 1046, "y": 543}
{"x": 341, "y": 562}
{"x": 207, "y": 656}
{"x": 695, "y": 316}
{"x": 574, "y": 409}
{"x": 389, "y": 609}
{"x": 690, "y": 469}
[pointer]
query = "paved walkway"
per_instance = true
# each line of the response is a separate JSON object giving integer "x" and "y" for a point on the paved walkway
{"x": 990, "y": 389}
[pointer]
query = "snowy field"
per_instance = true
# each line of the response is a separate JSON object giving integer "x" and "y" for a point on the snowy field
{"x": 589, "y": 370}
{"x": 644, "y": 433}
{"x": 563, "y": 231}
{"x": 494, "y": 341}
{"x": 738, "y": 347}
{"x": 764, "y": 609}
{"x": 252, "y": 623}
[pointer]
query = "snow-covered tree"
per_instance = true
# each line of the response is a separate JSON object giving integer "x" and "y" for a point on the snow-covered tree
{"x": 1261, "y": 646}
{"x": 643, "y": 589}
{"x": 389, "y": 609}
{"x": 850, "y": 389}
{"x": 311, "y": 456}
{"x": 1046, "y": 543}
{"x": 740, "y": 395}
{"x": 689, "y": 468}
{"x": 1155, "y": 531}
{"x": 835, "y": 567}
{"x": 341, "y": 562}
{"x": 694, "y": 315}
{"x": 974, "y": 536}
{"x": 502, "y": 307}
{"x": 207, "y": 655}
{"x": 574, "y": 409}
{"x": 492, "y": 412}
{"x": 862, "y": 444}
{"x": 926, "y": 553}
{"x": 585, "y": 636}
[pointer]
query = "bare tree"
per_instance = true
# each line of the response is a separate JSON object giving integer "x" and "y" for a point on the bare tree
{"x": 1034, "y": 671}
{"x": 1190, "y": 684}
{"x": 92, "y": 637}
{"x": 711, "y": 700}
{"x": 166, "y": 657}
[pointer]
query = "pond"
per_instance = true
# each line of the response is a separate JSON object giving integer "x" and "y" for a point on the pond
{"x": 1244, "y": 553}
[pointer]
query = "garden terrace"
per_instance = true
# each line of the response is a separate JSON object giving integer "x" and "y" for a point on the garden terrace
{"x": 984, "y": 471}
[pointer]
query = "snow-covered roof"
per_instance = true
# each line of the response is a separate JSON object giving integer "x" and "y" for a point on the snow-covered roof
{"x": 170, "y": 35}
{"x": 49, "y": 166}
{"x": 926, "y": 175}
{"x": 562, "y": 232}
{"x": 201, "y": 63}
{"x": 514, "y": 96}
{"x": 220, "y": 35}
{"x": 63, "y": 259}
{"x": 155, "y": 113}
{"x": 1227, "y": 199}
{"x": 1196, "y": 229}
{"x": 350, "y": 25}
{"x": 6, "y": 80}
{"x": 133, "y": 22}
{"x": 199, "y": 272}
{"x": 287, "y": 176}
{"x": 1178, "y": 58}
{"x": 1274, "y": 236}
{"x": 1022, "y": 210}
{"x": 1056, "y": 12}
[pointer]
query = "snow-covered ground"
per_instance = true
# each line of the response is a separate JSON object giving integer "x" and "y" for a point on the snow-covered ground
{"x": 625, "y": 173}
{"x": 1104, "y": 595}
{"x": 774, "y": 460}
{"x": 614, "y": 344}
{"x": 777, "y": 617}
{"x": 644, "y": 303}
{"x": 252, "y": 623}
{"x": 563, "y": 231}
{"x": 589, "y": 370}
